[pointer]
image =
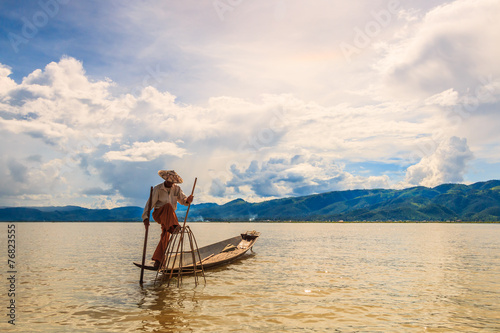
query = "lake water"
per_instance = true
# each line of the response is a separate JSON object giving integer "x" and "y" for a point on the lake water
{"x": 303, "y": 277}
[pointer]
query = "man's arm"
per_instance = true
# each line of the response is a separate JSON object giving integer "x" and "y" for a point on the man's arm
{"x": 183, "y": 199}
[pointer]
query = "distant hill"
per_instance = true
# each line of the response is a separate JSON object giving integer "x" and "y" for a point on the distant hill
{"x": 70, "y": 213}
{"x": 447, "y": 202}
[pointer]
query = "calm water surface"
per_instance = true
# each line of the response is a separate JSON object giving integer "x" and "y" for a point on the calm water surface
{"x": 79, "y": 277}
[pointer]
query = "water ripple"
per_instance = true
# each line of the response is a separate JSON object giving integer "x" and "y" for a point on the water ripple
{"x": 78, "y": 277}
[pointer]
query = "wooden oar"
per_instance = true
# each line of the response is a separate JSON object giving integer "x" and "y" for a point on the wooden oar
{"x": 146, "y": 236}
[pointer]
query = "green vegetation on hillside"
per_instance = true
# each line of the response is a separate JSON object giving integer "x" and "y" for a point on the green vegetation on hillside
{"x": 447, "y": 202}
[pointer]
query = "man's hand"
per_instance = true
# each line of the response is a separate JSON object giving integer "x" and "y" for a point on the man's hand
{"x": 146, "y": 223}
{"x": 189, "y": 199}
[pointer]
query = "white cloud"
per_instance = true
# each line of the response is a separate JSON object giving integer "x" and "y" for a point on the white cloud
{"x": 67, "y": 80}
{"x": 446, "y": 98}
{"x": 145, "y": 151}
{"x": 292, "y": 176}
{"x": 21, "y": 178}
{"x": 274, "y": 147}
{"x": 452, "y": 47}
{"x": 247, "y": 146}
{"x": 447, "y": 164}
{"x": 6, "y": 83}
{"x": 60, "y": 105}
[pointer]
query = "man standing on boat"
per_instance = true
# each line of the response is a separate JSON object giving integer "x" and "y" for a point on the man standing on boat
{"x": 164, "y": 201}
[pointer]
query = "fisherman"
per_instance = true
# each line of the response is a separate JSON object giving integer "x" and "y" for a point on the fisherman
{"x": 164, "y": 201}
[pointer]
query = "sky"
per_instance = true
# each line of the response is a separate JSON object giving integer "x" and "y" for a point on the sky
{"x": 258, "y": 99}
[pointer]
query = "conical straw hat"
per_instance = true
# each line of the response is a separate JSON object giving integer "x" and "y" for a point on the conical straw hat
{"x": 170, "y": 176}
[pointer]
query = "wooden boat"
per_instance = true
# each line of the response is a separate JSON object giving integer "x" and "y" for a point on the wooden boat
{"x": 213, "y": 255}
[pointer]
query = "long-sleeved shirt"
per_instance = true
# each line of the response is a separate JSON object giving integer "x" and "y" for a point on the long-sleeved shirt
{"x": 163, "y": 195}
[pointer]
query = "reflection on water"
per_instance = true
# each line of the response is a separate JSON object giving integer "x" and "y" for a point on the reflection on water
{"x": 79, "y": 277}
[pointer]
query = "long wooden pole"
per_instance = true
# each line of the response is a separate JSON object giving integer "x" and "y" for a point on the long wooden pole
{"x": 187, "y": 211}
{"x": 146, "y": 236}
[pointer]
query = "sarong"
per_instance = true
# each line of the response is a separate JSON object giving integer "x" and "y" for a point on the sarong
{"x": 165, "y": 215}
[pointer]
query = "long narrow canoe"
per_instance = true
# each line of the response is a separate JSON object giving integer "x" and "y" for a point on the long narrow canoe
{"x": 217, "y": 254}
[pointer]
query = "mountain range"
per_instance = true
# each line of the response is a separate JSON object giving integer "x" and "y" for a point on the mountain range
{"x": 448, "y": 202}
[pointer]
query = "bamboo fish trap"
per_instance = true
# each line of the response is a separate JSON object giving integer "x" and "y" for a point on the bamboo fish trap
{"x": 182, "y": 256}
